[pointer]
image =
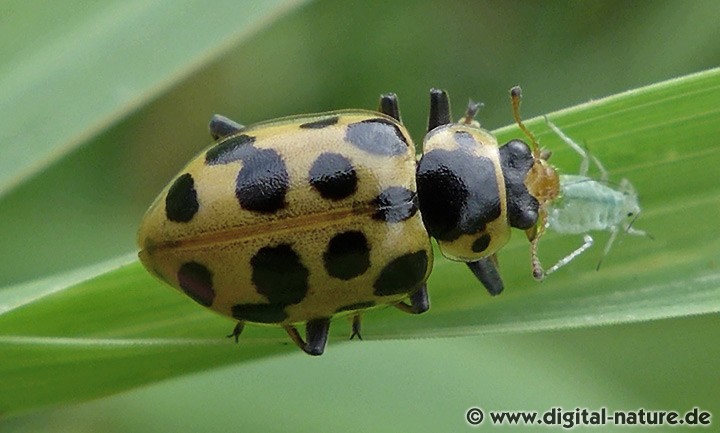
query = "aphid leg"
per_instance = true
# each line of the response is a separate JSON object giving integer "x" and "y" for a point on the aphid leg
{"x": 237, "y": 331}
{"x": 316, "y": 331}
{"x": 486, "y": 271}
{"x": 389, "y": 105}
{"x": 585, "y": 164}
{"x": 419, "y": 302}
{"x": 221, "y": 126}
{"x": 356, "y": 326}
{"x": 603, "y": 172}
{"x": 608, "y": 245}
{"x": 635, "y": 232}
{"x": 587, "y": 243}
{"x": 626, "y": 187}
{"x": 439, "y": 109}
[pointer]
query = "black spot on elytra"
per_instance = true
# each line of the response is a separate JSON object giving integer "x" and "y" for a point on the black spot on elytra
{"x": 196, "y": 281}
{"x": 263, "y": 181}
{"x": 395, "y": 204}
{"x": 279, "y": 275}
{"x": 516, "y": 160}
{"x": 230, "y": 150}
{"x": 181, "y": 203}
{"x": 322, "y": 123}
{"x": 481, "y": 243}
{"x": 333, "y": 176}
{"x": 356, "y": 306}
{"x": 402, "y": 275}
{"x": 377, "y": 136}
{"x": 347, "y": 255}
{"x": 458, "y": 193}
{"x": 260, "y": 313}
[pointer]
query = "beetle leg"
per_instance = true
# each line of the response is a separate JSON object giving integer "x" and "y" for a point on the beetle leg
{"x": 486, "y": 271}
{"x": 419, "y": 302}
{"x": 316, "y": 331}
{"x": 221, "y": 127}
{"x": 356, "y": 325}
{"x": 534, "y": 234}
{"x": 439, "y": 109}
{"x": 237, "y": 331}
{"x": 389, "y": 105}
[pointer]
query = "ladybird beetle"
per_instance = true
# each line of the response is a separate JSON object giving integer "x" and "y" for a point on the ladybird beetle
{"x": 586, "y": 204}
{"x": 305, "y": 218}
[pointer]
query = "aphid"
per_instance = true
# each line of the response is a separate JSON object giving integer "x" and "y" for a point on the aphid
{"x": 586, "y": 205}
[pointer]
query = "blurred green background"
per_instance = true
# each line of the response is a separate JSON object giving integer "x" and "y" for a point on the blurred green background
{"x": 326, "y": 55}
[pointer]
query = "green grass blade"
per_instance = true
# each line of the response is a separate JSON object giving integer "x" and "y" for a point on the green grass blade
{"x": 112, "y": 327}
{"x": 88, "y": 67}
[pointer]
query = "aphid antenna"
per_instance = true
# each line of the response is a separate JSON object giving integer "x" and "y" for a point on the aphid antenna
{"x": 628, "y": 230}
{"x": 583, "y": 151}
{"x": 569, "y": 141}
{"x": 583, "y": 180}
{"x": 615, "y": 185}
{"x": 632, "y": 221}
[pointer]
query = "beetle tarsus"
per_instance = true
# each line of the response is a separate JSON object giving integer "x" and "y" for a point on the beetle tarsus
{"x": 439, "y": 109}
{"x": 316, "y": 331}
{"x": 389, "y": 105}
{"x": 356, "y": 326}
{"x": 237, "y": 331}
{"x": 486, "y": 271}
{"x": 419, "y": 302}
{"x": 221, "y": 127}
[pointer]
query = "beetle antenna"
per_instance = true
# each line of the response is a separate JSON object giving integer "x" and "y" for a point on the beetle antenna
{"x": 471, "y": 112}
{"x": 516, "y": 96}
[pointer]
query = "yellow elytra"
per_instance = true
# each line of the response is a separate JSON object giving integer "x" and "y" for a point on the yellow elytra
{"x": 294, "y": 221}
